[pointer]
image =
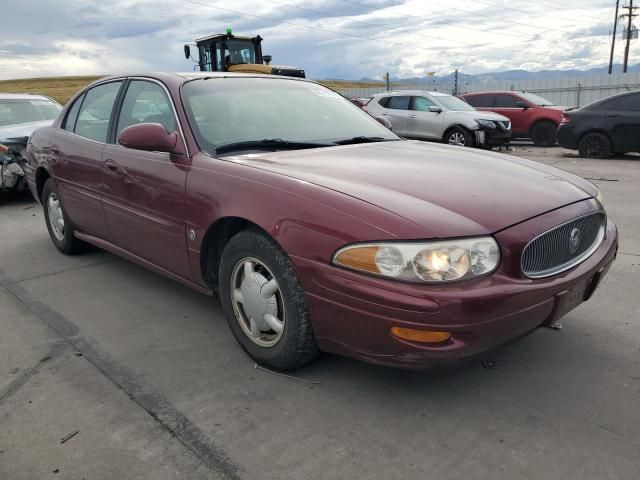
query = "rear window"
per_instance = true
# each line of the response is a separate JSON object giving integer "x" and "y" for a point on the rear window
{"x": 629, "y": 103}
{"x": 13, "y": 111}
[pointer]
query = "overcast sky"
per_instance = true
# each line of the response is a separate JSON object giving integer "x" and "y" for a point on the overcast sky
{"x": 329, "y": 38}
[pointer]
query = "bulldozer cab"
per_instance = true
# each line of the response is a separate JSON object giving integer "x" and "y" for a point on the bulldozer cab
{"x": 232, "y": 53}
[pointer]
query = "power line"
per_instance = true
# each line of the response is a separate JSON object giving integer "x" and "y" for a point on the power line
{"x": 386, "y": 26}
{"x": 529, "y": 12}
{"x": 334, "y": 32}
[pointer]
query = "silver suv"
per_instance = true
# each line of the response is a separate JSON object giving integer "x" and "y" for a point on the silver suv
{"x": 441, "y": 117}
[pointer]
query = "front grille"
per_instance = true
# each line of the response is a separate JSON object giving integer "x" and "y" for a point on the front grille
{"x": 564, "y": 246}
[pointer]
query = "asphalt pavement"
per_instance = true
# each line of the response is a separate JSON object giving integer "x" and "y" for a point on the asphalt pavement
{"x": 109, "y": 371}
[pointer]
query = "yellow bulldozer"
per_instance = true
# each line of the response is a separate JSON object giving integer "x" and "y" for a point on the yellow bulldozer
{"x": 226, "y": 52}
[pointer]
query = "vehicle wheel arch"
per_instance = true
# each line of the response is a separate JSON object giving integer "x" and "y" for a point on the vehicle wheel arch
{"x": 455, "y": 125}
{"x": 216, "y": 238}
{"x": 42, "y": 175}
{"x": 540, "y": 120}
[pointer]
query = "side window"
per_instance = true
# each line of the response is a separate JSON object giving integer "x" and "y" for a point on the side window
{"x": 72, "y": 115}
{"x": 146, "y": 102}
{"x": 421, "y": 104}
{"x": 398, "y": 103}
{"x": 94, "y": 115}
{"x": 383, "y": 102}
{"x": 506, "y": 101}
{"x": 480, "y": 101}
{"x": 629, "y": 103}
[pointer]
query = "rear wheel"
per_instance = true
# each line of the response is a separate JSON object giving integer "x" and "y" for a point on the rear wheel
{"x": 594, "y": 145}
{"x": 58, "y": 224}
{"x": 458, "y": 136}
{"x": 264, "y": 303}
{"x": 543, "y": 134}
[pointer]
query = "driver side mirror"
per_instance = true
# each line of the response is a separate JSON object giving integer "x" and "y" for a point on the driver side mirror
{"x": 187, "y": 52}
{"x": 435, "y": 109}
{"x": 151, "y": 137}
{"x": 267, "y": 59}
{"x": 522, "y": 105}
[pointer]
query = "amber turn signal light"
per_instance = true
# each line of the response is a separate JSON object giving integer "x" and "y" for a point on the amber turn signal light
{"x": 421, "y": 336}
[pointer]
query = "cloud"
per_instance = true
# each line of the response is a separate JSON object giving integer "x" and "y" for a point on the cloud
{"x": 329, "y": 38}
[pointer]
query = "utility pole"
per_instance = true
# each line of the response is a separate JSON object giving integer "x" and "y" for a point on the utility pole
{"x": 630, "y": 15}
{"x": 386, "y": 77}
{"x": 455, "y": 86}
{"x": 613, "y": 39}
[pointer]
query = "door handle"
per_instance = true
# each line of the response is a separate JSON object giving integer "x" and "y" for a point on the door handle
{"x": 412, "y": 116}
{"x": 110, "y": 167}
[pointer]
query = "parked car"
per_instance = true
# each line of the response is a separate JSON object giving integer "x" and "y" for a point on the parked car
{"x": 317, "y": 227}
{"x": 20, "y": 115}
{"x": 531, "y": 116}
{"x": 608, "y": 126}
{"x": 361, "y": 102}
{"x": 437, "y": 116}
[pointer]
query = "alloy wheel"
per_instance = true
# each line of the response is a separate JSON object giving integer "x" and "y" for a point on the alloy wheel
{"x": 594, "y": 146}
{"x": 56, "y": 218}
{"x": 457, "y": 138}
{"x": 257, "y": 302}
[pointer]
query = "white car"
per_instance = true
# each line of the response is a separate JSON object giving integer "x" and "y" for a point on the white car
{"x": 441, "y": 117}
{"x": 20, "y": 115}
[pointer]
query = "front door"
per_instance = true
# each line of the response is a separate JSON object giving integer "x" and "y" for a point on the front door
{"x": 625, "y": 123}
{"x": 510, "y": 106}
{"x": 144, "y": 192}
{"x": 423, "y": 123}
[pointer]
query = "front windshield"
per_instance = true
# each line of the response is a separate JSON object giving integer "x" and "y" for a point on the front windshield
{"x": 536, "y": 100}
{"x": 16, "y": 111}
{"x": 454, "y": 103}
{"x": 229, "y": 110}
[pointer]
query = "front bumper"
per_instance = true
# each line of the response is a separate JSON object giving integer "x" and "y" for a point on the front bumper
{"x": 352, "y": 314}
{"x": 492, "y": 137}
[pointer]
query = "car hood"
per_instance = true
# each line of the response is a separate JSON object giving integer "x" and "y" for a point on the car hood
{"x": 21, "y": 130}
{"x": 448, "y": 191}
{"x": 484, "y": 115}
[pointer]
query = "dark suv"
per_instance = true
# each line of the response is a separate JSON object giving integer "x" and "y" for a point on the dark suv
{"x": 531, "y": 116}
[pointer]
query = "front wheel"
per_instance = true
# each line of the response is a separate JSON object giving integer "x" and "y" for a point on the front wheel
{"x": 263, "y": 302}
{"x": 594, "y": 145}
{"x": 58, "y": 224}
{"x": 543, "y": 134}
{"x": 459, "y": 136}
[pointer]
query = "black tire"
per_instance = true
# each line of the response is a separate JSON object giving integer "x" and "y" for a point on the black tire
{"x": 594, "y": 145}
{"x": 543, "y": 134}
{"x": 68, "y": 244}
{"x": 459, "y": 136}
{"x": 297, "y": 345}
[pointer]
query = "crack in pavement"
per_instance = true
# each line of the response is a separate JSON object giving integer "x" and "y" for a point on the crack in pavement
{"x": 4, "y": 281}
{"x": 163, "y": 412}
{"x": 56, "y": 349}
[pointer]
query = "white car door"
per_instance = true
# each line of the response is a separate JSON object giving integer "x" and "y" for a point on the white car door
{"x": 422, "y": 122}
{"x": 396, "y": 110}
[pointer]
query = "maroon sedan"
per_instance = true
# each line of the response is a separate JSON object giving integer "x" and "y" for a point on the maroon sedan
{"x": 318, "y": 228}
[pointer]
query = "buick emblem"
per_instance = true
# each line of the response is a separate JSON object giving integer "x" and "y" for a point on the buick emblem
{"x": 574, "y": 240}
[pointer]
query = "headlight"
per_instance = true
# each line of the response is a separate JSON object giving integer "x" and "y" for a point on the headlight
{"x": 486, "y": 123}
{"x": 423, "y": 262}
{"x": 599, "y": 197}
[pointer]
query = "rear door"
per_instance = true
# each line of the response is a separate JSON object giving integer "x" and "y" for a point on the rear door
{"x": 507, "y": 104}
{"x": 625, "y": 123}
{"x": 144, "y": 192}
{"x": 76, "y": 157}
{"x": 421, "y": 122}
{"x": 396, "y": 109}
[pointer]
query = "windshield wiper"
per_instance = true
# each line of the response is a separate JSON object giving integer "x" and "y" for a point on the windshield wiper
{"x": 268, "y": 144}
{"x": 362, "y": 139}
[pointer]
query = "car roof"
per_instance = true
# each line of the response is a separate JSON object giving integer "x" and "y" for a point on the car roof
{"x": 22, "y": 96}
{"x": 493, "y": 92}
{"x": 182, "y": 77}
{"x": 413, "y": 92}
